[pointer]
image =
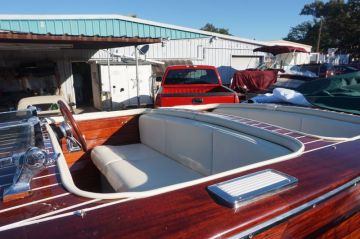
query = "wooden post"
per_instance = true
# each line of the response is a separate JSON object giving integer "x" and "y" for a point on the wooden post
{"x": 319, "y": 35}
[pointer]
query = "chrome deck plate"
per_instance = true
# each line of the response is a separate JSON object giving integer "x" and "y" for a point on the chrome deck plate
{"x": 238, "y": 191}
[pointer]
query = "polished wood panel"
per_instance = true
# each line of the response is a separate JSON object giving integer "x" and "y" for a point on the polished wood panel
{"x": 347, "y": 229}
{"x": 34, "y": 196}
{"x": 192, "y": 213}
{"x": 73, "y": 157}
{"x": 36, "y": 182}
{"x": 40, "y": 208}
{"x": 314, "y": 222}
{"x": 111, "y": 131}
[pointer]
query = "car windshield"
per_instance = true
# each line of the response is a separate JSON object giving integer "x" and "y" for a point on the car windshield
{"x": 191, "y": 76}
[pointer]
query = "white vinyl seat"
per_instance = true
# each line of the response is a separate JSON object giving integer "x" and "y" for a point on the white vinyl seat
{"x": 129, "y": 167}
{"x": 175, "y": 150}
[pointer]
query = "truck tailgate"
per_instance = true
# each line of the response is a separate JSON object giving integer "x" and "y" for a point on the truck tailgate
{"x": 196, "y": 95}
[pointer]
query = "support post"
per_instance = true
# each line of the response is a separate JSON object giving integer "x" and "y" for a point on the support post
{"x": 109, "y": 78}
{"x": 137, "y": 76}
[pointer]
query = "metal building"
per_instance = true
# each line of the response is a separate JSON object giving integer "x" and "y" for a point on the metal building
{"x": 100, "y": 52}
{"x": 226, "y": 54}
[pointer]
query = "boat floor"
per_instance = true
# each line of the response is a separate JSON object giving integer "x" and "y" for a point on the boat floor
{"x": 49, "y": 200}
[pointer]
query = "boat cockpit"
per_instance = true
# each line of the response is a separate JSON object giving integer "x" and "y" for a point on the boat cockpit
{"x": 144, "y": 152}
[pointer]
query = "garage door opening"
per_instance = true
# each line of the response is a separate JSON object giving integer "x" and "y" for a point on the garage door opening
{"x": 26, "y": 79}
{"x": 82, "y": 84}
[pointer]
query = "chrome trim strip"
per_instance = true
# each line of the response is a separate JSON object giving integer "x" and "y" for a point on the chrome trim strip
{"x": 249, "y": 233}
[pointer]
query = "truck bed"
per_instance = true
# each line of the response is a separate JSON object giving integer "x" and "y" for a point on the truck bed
{"x": 193, "y": 85}
{"x": 171, "y": 96}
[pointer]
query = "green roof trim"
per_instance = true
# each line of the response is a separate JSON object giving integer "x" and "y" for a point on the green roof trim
{"x": 95, "y": 27}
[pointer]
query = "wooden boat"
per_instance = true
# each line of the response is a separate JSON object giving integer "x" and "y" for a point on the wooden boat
{"x": 222, "y": 172}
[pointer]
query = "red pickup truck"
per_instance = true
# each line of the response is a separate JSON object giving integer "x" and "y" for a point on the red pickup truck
{"x": 193, "y": 85}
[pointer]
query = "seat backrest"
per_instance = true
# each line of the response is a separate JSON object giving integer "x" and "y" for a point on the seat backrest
{"x": 186, "y": 141}
{"x": 152, "y": 132}
{"x": 233, "y": 150}
{"x": 190, "y": 143}
{"x": 205, "y": 148}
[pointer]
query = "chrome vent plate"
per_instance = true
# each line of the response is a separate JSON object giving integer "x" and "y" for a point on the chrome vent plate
{"x": 240, "y": 190}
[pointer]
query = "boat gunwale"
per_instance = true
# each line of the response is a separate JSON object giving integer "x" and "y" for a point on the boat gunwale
{"x": 295, "y": 146}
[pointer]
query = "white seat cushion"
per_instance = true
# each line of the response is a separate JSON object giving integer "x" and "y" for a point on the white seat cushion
{"x": 187, "y": 141}
{"x": 190, "y": 143}
{"x": 152, "y": 132}
{"x": 233, "y": 150}
{"x": 137, "y": 167}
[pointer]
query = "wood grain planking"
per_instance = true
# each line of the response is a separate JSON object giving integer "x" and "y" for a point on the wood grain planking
{"x": 282, "y": 131}
{"x": 73, "y": 157}
{"x": 261, "y": 125}
{"x": 317, "y": 145}
{"x": 88, "y": 125}
{"x": 349, "y": 228}
{"x": 313, "y": 222}
{"x": 295, "y": 135}
{"x": 307, "y": 139}
{"x": 192, "y": 213}
{"x": 40, "y": 208}
{"x": 34, "y": 196}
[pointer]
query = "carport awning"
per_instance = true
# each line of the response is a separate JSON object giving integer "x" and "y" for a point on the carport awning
{"x": 72, "y": 41}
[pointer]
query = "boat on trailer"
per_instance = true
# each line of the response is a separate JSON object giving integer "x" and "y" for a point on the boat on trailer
{"x": 218, "y": 171}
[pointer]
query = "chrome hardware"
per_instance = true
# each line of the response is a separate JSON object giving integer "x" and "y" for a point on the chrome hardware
{"x": 26, "y": 150}
{"x": 72, "y": 144}
{"x": 29, "y": 165}
{"x": 6, "y": 162}
{"x": 33, "y": 110}
{"x": 65, "y": 129}
{"x": 80, "y": 213}
{"x": 35, "y": 158}
{"x": 240, "y": 190}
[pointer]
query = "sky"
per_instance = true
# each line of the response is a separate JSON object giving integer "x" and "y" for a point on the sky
{"x": 252, "y": 19}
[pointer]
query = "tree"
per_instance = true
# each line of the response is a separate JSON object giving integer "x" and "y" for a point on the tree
{"x": 315, "y": 9}
{"x": 305, "y": 32}
{"x": 335, "y": 24}
{"x": 211, "y": 28}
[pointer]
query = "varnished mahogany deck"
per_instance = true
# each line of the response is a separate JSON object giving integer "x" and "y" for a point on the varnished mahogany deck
{"x": 51, "y": 212}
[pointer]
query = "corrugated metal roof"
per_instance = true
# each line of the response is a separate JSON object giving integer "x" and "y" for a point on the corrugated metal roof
{"x": 76, "y": 41}
{"x": 109, "y": 26}
{"x": 165, "y": 30}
